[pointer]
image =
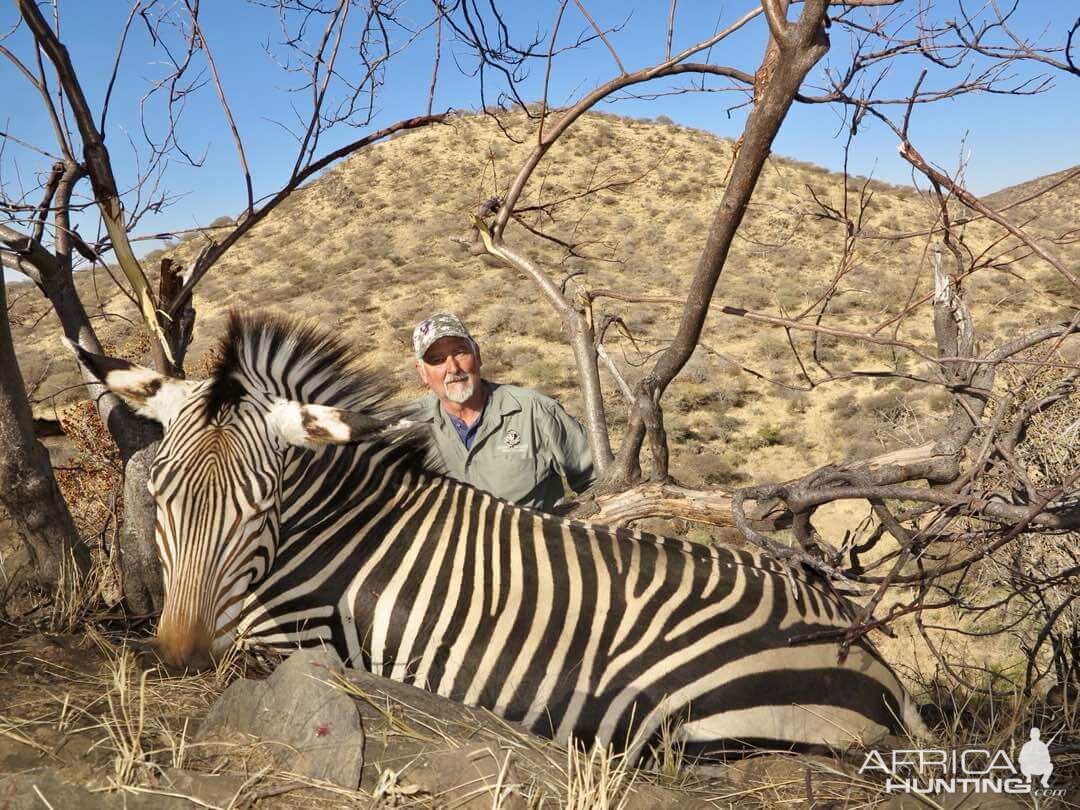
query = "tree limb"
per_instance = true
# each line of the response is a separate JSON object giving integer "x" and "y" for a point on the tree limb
{"x": 100, "y": 171}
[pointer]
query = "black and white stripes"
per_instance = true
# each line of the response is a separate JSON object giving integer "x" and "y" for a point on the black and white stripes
{"x": 325, "y": 526}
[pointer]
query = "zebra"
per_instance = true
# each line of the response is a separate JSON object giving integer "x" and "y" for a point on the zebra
{"x": 298, "y": 506}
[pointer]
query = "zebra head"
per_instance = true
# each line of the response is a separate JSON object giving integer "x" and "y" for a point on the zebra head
{"x": 280, "y": 389}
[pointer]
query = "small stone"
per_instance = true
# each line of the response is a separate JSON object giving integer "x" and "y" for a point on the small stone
{"x": 653, "y": 797}
{"x": 217, "y": 789}
{"x": 44, "y": 787}
{"x": 476, "y": 778}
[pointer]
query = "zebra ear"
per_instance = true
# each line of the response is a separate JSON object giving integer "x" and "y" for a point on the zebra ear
{"x": 319, "y": 425}
{"x": 147, "y": 392}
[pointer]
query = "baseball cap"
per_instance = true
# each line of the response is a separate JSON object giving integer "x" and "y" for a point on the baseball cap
{"x": 440, "y": 325}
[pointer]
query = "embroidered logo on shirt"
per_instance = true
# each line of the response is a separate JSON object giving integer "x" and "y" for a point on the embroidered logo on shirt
{"x": 512, "y": 438}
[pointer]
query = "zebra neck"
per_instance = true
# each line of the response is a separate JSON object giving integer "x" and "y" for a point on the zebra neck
{"x": 340, "y": 486}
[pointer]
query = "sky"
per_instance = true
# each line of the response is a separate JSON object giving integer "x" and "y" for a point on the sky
{"x": 1004, "y": 140}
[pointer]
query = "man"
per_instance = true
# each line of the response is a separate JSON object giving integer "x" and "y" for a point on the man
{"x": 512, "y": 442}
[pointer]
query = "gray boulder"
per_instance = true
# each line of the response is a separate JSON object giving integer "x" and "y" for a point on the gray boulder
{"x": 310, "y": 726}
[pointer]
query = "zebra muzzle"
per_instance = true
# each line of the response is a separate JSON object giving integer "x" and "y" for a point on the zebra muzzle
{"x": 187, "y": 649}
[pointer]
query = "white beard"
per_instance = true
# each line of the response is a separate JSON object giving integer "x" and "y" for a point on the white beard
{"x": 459, "y": 389}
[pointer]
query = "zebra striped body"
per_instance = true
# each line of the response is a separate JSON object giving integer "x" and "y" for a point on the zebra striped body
{"x": 572, "y": 629}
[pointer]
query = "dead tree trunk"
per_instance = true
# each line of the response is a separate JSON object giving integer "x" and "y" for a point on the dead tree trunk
{"x": 140, "y": 568}
{"x": 136, "y": 438}
{"x": 28, "y": 489}
{"x": 794, "y": 49}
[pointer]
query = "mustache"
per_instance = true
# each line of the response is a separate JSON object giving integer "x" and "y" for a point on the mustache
{"x": 453, "y": 378}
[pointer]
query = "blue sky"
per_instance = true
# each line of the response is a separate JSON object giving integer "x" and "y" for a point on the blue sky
{"x": 1009, "y": 140}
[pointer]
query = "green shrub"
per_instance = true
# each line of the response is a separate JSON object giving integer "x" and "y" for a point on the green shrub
{"x": 690, "y": 397}
{"x": 769, "y": 436}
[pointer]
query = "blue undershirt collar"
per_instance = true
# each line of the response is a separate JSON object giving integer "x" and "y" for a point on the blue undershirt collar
{"x": 467, "y": 433}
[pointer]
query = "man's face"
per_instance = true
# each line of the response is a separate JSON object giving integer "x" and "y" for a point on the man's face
{"x": 451, "y": 368}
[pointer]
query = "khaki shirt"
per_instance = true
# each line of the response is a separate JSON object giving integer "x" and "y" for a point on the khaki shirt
{"x": 525, "y": 442}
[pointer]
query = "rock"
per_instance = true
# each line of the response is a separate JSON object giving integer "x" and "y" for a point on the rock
{"x": 422, "y": 701}
{"x": 44, "y": 788}
{"x": 216, "y": 789}
{"x": 771, "y": 769}
{"x": 957, "y": 801}
{"x": 476, "y": 778}
{"x": 313, "y": 726}
{"x": 654, "y": 797}
{"x": 14, "y": 756}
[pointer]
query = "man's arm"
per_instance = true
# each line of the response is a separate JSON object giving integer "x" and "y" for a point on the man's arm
{"x": 570, "y": 447}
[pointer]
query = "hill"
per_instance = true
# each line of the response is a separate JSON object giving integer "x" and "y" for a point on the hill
{"x": 369, "y": 249}
{"x": 1045, "y": 203}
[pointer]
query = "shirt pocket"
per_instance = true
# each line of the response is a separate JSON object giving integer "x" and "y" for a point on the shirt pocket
{"x": 515, "y": 472}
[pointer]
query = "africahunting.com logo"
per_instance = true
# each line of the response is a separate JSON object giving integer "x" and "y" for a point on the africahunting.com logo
{"x": 971, "y": 770}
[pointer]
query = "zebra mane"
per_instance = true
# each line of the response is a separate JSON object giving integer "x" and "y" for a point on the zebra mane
{"x": 298, "y": 360}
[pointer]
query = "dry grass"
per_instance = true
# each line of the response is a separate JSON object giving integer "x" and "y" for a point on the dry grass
{"x": 126, "y": 722}
{"x": 597, "y": 779}
{"x": 76, "y": 595}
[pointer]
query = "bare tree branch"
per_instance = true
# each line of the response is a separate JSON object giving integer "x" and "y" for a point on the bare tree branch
{"x": 193, "y": 10}
{"x": 99, "y": 170}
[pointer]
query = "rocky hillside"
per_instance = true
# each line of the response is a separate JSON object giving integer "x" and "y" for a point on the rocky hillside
{"x": 374, "y": 245}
